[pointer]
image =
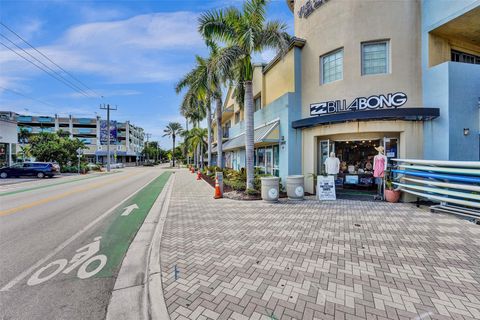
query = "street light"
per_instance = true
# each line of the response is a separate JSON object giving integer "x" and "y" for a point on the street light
{"x": 108, "y": 107}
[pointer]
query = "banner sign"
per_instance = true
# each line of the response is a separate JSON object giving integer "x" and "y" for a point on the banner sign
{"x": 326, "y": 188}
{"x": 104, "y": 132}
{"x": 391, "y": 100}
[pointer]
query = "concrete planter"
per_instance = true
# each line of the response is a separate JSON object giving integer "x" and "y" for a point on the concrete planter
{"x": 295, "y": 187}
{"x": 270, "y": 186}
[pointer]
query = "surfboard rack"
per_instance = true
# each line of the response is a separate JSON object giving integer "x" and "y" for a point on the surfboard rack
{"x": 454, "y": 185}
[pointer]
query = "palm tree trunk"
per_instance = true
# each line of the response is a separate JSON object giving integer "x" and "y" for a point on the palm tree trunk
{"x": 188, "y": 155}
{"x": 209, "y": 130}
{"x": 173, "y": 151}
{"x": 249, "y": 133}
{"x": 218, "y": 103}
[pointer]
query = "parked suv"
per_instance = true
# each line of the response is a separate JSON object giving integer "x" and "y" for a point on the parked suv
{"x": 36, "y": 169}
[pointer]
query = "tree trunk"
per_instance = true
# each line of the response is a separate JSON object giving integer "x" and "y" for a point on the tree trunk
{"x": 249, "y": 133}
{"x": 218, "y": 103}
{"x": 173, "y": 151}
{"x": 209, "y": 129}
{"x": 188, "y": 155}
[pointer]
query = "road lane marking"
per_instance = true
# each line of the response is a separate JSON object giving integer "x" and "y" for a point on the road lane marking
{"x": 129, "y": 209}
{"x": 7, "y": 193}
{"x": 62, "y": 246}
{"x": 61, "y": 195}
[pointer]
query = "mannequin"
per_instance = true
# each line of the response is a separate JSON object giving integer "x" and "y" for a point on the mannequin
{"x": 332, "y": 165}
{"x": 379, "y": 167}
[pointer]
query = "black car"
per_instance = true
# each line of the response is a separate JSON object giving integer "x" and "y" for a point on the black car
{"x": 36, "y": 169}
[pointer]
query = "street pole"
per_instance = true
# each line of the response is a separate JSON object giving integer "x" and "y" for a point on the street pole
{"x": 108, "y": 107}
{"x": 147, "y": 135}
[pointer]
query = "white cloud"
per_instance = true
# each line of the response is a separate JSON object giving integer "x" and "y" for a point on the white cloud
{"x": 143, "y": 48}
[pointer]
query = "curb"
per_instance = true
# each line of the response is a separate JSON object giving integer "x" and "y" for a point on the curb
{"x": 139, "y": 279}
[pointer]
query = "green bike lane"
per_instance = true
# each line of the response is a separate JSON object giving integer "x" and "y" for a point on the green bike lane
{"x": 77, "y": 281}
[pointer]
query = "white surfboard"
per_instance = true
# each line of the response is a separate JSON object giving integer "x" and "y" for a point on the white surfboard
{"x": 444, "y": 184}
{"x": 441, "y": 191}
{"x": 442, "y": 163}
{"x": 474, "y": 172}
{"x": 474, "y": 204}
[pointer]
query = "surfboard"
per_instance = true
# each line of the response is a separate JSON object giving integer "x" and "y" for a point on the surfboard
{"x": 439, "y": 176}
{"x": 473, "y": 172}
{"x": 446, "y": 192}
{"x": 442, "y": 163}
{"x": 445, "y": 184}
{"x": 474, "y": 204}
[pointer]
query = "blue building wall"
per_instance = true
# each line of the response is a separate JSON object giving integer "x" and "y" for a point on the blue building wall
{"x": 286, "y": 109}
{"x": 452, "y": 87}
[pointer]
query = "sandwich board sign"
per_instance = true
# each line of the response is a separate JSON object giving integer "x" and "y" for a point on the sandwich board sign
{"x": 326, "y": 188}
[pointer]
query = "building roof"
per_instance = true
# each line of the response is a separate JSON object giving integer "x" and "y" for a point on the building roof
{"x": 265, "y": 133}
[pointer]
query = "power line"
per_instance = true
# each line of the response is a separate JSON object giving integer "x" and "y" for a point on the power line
{"x": 44, "y": 70}
{"x": 31, "y": 98}
{"x": 75, "y": 87}
{"x": 46, "y": 57}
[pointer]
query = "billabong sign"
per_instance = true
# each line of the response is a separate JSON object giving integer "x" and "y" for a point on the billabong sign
{"x": 391, "y": 100}
{"x": 309, "y": 7}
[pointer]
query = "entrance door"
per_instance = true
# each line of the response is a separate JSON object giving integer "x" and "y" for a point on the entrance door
{"x": 324, "y": 149}
{"x": 391, "y": 148}
{"x": 269, "y": 161}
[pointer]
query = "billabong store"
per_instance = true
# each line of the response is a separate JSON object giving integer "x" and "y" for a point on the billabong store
{"x": 355, "y": 132}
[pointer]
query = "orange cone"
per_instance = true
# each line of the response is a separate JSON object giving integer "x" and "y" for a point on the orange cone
{"x": 218, "y": 192}
{"x": 199, "y": 175}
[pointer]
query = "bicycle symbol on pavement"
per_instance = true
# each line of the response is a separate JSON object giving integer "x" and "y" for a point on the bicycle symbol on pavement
{"x": 84, "y": 257}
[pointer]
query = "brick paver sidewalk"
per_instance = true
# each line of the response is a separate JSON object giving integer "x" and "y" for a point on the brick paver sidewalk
{"x": 307, "y": 260}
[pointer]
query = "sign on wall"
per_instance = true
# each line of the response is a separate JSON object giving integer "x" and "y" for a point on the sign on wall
{"x": 326, "y": 188}
{"x": 309, "y": 7}
{"x": 104, "y": 132}
{"x": 390, "y": 100}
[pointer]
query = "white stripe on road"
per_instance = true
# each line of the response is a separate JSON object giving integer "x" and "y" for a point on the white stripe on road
{"x": 25, "y": 273}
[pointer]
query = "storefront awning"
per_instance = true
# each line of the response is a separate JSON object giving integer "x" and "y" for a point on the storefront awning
{"x": 410, "y": 114}
{"x": 266, "y": 133}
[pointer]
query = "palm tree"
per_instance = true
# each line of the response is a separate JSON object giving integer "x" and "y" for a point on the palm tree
{"x": 172, "y": 130}
{"x": 203, "y": 84}
{"x": 245, "y": 32}
{"x": 23, "y": 135}
{"x": 198, "y": 139}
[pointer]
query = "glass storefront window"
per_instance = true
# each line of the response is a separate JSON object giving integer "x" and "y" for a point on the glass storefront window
{"x": 276, "y": 156}
{"x": 261, "y": 157}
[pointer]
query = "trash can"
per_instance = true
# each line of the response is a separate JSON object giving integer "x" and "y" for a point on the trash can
{"x": 295, "y": 186}
{"x": 270, "y": 188}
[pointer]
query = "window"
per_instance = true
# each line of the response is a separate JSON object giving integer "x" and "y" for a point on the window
{"x": 332, "y": 66}
{"x": 375, "y": 57}
{"x": 257, "y": 103}
{"x": 458, "y": 56}
{"x": 237, "y": 117}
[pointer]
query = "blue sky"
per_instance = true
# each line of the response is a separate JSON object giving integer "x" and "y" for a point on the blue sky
{"x": 131, "y": 52}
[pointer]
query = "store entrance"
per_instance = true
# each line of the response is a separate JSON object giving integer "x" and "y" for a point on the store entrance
{"x": 355, "y": 178}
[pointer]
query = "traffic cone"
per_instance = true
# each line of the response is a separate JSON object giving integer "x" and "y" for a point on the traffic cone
{"x": 218, "y": 192}
{"x": 192, "y": 170}
{"x": 199, "y": 175}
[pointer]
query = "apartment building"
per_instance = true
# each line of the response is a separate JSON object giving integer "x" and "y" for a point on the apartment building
{"x": 126, "y": 143}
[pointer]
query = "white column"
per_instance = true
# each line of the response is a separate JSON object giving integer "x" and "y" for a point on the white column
{"x": 127, "y": 135}
{"x": 56, "y": 123}
{"x": 70, "y": 126}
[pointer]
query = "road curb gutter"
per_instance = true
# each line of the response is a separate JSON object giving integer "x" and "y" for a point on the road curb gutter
{"x": 155, "y": 307}
{"x": 139, "y": 279}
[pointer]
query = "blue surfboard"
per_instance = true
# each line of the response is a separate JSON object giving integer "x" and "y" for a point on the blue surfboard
{"x": 449, "y": 177}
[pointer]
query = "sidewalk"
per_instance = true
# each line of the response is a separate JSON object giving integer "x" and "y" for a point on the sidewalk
{"x": 306, "y": 260}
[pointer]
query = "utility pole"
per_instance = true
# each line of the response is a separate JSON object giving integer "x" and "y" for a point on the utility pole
{"x": 147, "y": 135}
{"x": 108, "y": 107}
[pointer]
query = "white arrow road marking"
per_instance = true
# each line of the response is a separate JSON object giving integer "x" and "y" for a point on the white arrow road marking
{"x": 129, "y": 209}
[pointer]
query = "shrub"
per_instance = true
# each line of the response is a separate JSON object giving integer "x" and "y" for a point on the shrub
{"x": 237, "y": 185}
{"x": 252, "y": 192}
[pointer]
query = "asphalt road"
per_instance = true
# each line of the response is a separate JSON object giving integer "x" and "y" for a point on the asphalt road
{"x": 43, "y": 224}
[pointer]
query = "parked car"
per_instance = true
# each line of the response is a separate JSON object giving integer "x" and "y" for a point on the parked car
{"x": 36, "y": 169}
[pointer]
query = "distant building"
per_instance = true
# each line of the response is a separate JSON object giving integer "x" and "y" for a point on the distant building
{"x": 126, "y": 143}
{"x": 8, "y": 140}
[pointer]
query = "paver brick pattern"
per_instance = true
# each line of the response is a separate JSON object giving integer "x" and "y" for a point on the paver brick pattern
{"x": 313, "y": 260}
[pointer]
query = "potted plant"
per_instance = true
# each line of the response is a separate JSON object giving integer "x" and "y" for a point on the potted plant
{"x": 391, "y": 195}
